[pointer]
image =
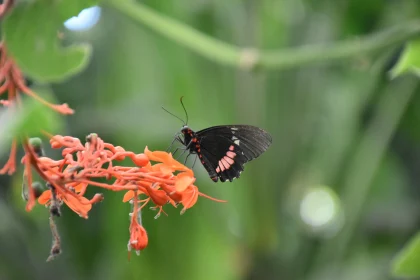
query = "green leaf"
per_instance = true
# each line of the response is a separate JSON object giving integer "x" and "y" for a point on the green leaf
{"x": 30, "y": 33}
{"x": 31, "y": 119}
{"x": 407, "y": 262}
{"x": 409, "y": 60}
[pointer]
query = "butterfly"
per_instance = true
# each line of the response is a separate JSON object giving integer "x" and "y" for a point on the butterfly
{"x": 223, "y": 150}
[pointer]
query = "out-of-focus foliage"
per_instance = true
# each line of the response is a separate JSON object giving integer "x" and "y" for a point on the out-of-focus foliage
{"x": 344, "y": 125}
{"x": 35, "y": 47}
{"x": 31, "y": 121}
{"x": 407, "y": 262}
{"x": 410, "y": 59}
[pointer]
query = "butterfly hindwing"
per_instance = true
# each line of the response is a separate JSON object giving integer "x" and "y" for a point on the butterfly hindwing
{"x": 222, "y": 158}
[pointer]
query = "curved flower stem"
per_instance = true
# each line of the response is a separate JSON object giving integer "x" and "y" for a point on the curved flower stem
{"x": 247, "y": 58}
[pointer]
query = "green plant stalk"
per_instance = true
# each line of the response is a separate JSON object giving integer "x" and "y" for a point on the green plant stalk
{"x": 249, "y": 58}
{"x": 183, "y": 34}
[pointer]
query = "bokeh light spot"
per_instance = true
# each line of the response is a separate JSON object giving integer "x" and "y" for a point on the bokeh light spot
{"x": 85, "y": 20}
{"x": 320, "y": 208}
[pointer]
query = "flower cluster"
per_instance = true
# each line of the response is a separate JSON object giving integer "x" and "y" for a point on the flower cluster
{"x": 165, "y": 182}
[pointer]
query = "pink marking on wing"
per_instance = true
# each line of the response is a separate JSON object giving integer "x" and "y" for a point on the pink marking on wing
{"x": 229, "y": 160}
{"x": 231, "y": 148}
{"x": 221, "y": 166}
{"x": 226, "y": 164}
{"x": 231, "y": 154}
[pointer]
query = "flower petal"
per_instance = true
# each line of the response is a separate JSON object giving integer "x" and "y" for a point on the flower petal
{"x": 189, "y": 198}
{"x": 138, "y": 236}
{"x": 79, "y": 204}
{"x": 128, "y": 196}
{"x": 183, "y": 180}
{"x": 164, "y": 169}
{"x": 158, "y": 156}
{"x": 81, "y": 187}
{"x": 158, "y": 196}
{"x": 44, "y": 197}
{"x": 167, "y": 159}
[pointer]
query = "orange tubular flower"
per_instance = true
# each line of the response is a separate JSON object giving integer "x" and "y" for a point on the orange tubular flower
{"x": 79, "y": 205}
{"x": 138, "y": 235}
{"x": 166, "y": 182}
{"x": 66, "y": 180}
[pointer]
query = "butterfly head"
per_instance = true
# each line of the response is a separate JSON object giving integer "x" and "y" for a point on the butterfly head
{"x": 188, "y": 134}
{"x": 186, "y": 130}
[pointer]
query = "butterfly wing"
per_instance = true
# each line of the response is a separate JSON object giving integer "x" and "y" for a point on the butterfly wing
{"x": 225, "y": 149}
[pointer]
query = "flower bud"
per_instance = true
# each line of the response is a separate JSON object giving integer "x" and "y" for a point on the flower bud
{"x": 141, "y": 160}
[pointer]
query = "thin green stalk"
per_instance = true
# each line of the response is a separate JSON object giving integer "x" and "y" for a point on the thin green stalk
{"x": 248, "y": 58}
{"x": 183, "y": 34}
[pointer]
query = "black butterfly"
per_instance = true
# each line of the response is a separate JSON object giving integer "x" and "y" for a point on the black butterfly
{"x": 223, "y": 150}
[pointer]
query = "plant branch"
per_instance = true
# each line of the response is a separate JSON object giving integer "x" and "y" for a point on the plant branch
{"x": 249, "y": 58}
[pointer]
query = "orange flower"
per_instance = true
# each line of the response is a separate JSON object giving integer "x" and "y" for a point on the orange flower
{"x": 73, "y": 199}
{"x": 158, "y": 197}
{"x": 165, "y": 182}
{"x": 129, "y": 195}
{"x": 167, "y": 160}
{"x": 180, "y": 190}
{"x": 183, "y": 181}
{"x": 138, "y": 235}
{"x": 165, "y": 170}
{"x": 189, "y": 197}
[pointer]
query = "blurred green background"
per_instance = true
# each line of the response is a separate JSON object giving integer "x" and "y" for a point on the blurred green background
{"x": 335, "y": 196}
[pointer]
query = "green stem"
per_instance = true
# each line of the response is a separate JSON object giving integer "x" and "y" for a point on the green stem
{"x": 183, "y": 34}
{"x": 248, "y": 58}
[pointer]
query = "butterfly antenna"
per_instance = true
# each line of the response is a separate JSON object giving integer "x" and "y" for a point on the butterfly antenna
{"x": 186, "y": 114}
{"x": 175, "y": 116}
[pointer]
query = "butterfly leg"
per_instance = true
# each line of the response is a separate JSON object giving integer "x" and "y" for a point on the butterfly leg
{"x": 183, "y": 149}
{"x": 170, "y": 146}
{"x": 181, "y": 153}
{"x": 194, "y": 162}
{"x": 176, "y": 138}
{"x": 186, "y": 158}
{"x": 176, "y": 150}
{"x": 186, "y": 148}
